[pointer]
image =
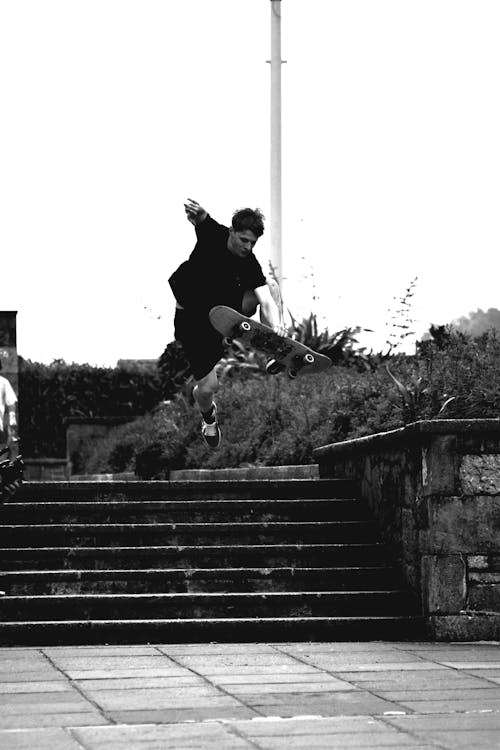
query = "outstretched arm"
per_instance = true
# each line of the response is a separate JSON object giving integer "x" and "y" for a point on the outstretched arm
{"x": 195, "y": 213}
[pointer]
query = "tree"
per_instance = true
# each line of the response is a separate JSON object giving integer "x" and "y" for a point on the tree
{"x": 478, "y": 322}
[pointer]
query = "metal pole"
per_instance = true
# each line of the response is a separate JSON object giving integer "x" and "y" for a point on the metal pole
{"x": 276, "y": 201}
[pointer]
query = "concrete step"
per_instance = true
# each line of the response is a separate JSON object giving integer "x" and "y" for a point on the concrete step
{"x": 228, "y": 629}
{"x": 178, "y": 511}
{"x": 206, "y": 558}
{"x": 276, "y": 489}
{"x": 307, "y": 471}
{"x": 174, "y": 580}
{"x": 196, "y": 556}
{"x": 205, "y": 605}
{"x": 180, "y": 534}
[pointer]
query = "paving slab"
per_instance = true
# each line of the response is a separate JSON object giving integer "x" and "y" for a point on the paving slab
{"x": 143, "y": 682}
{"x": 84, "y": 663}
{"x": 99, "y": 651}
{"x": 288, "y": 688}
{"x": 422, "y": 681}
{"x": 178, "y": 715}
{"x": 273, "y": 661}
{"x": 161, "y": 698}
{"x": 49, "y": 686}
{"x": 209, "y": 735}
{"x": 311, "y": 726}
{"x": 197, "y": 649}
{"x": 38, "y": 675}
{"x": 334, "y": 704}
{"x": 453, "y": 732}
{"x": 340, "y": 647}
{"x": 116, "y": 673}
{"x": 310, "y": 678}
{"x": 45, "y": 719}
{"x": 343, "y": 742}
{"x": 486, "y": 665}
{"x": 39, "y": 739}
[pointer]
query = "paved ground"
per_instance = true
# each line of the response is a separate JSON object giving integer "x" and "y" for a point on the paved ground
{"x": 244, "y": 696}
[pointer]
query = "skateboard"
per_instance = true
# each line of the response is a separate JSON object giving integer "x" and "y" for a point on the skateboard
{"x": 286, "y": 354}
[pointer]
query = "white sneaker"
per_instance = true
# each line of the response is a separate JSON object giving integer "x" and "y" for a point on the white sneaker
{"x": 210, "y": 431}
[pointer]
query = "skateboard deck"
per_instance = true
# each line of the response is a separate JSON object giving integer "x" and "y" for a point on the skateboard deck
{"x": 286, "y": 354}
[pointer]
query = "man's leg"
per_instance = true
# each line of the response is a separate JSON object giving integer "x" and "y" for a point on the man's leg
{"x": 203, "y": 393}
{"x": 205, "y": 390}
{"x": 250, "y": 305}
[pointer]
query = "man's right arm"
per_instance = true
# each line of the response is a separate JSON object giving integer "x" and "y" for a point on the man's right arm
{"x": 196, "y": 214}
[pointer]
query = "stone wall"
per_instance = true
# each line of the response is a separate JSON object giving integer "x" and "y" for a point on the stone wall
{"x": 81, "y": 435}
{"x": 46, "y": 470}
{"x": 434, "y": 488}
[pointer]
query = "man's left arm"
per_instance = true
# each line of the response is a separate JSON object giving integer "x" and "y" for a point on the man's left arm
{"x": 10, "y": 408}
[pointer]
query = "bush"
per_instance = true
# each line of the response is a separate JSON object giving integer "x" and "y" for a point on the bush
{"x": 265, "y": 420}
{"x": 273, "y": 420}
{"x": 50, "y": 393}
{"x": 154, "y": 443}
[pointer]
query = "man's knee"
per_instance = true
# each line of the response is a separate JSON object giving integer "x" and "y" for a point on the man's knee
{"x": 207, "y": 386}
{"x": 250, "y": 303}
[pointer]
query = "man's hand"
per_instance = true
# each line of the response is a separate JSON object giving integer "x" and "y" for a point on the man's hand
{"x": 10, "y": 490}
{"x": 11, "y": 475}
{"x": 195, "y": 213}
{"x": 281, "y": 329}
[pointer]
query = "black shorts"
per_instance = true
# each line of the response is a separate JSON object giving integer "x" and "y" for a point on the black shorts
{"x": 202, "y": 344}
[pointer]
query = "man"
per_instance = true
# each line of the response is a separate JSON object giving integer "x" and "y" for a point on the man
{"x": 221, "y": 270}
{"x": 8, "y": 419}
{"x": 8, "y": 433}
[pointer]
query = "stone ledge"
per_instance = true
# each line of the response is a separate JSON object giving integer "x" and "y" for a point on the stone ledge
{"x": 307, "y": 471}
{"x": 416, "y": 432}
{"x": 474, "y": 626}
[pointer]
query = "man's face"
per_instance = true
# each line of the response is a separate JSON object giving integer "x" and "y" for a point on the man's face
{"x": 241, "y": 243}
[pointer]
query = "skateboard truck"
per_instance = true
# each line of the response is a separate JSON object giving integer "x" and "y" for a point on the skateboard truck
{"x": 274, "y": 367}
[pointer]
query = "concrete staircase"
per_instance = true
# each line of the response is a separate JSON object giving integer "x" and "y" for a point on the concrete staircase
{"x": 196, "y": 560}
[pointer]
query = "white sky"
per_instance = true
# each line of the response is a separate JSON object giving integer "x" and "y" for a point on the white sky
{"x": 112, "y": 112}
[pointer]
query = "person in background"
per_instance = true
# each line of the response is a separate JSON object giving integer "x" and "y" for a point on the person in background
{"x": 8, "y": 432}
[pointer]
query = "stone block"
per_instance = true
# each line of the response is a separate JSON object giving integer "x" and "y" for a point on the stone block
{"x": 465, "y": 627}
{"x": 444, "y": 586}
{"x": 440, "y": 466}
{"x": 484, "y": 597}
{"x": 480, "y": 474}
{"x": 469, "y": 525}
{"x": 477, "y": 562}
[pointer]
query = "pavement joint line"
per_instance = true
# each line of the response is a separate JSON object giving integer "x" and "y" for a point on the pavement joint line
{"x": 70, "y": 731}
{"x": 232, "y": 730}
{"x": 412, "y": 733}
{"x": 212, "y": 684}
{"x": 78, "y": 689}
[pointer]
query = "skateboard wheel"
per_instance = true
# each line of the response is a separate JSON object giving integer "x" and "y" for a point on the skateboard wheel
{"x": 245, "y": 327}
{"x": 292, "y": 374}
{"x": 308, "y": 359}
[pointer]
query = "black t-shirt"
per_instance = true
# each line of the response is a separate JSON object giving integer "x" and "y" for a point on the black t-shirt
{"x": 213, "y": 275}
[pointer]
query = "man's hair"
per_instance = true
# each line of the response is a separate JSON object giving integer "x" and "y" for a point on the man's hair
{"x": 248, "y": 218}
